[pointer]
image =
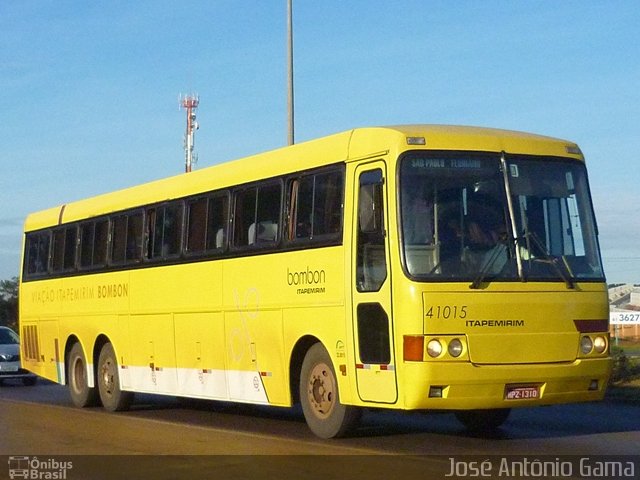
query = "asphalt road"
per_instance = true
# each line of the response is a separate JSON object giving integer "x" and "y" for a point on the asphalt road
{"x": 248, "y": 441}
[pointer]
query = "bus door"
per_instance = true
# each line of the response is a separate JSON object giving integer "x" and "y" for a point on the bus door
{"x": 372, "y": 318}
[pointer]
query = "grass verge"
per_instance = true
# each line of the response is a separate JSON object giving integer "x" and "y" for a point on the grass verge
{"x": 625, "y": 379}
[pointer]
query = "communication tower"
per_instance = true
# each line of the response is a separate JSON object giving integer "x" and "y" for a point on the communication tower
{"x": 190, "y": 103}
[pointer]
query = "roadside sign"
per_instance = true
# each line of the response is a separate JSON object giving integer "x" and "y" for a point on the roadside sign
{"x": 624, "y": 317}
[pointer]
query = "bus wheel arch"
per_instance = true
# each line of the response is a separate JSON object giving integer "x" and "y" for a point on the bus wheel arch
{"x": 319, "y": 396}
{"x": 78, "y": 381}
{"x": 298, "y": 353}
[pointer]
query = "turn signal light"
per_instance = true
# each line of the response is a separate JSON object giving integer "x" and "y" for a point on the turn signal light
{"x": 413, "y": 348}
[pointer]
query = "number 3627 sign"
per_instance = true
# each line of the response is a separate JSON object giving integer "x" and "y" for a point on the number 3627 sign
{"x": 624, "y": 318}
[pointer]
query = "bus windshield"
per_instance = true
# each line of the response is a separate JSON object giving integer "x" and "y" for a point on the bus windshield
{"x": 456, "y": 225}
{"x": 553, "y": 219}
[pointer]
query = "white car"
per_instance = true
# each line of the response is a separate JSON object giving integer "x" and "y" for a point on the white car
{"x": 10, "y": 358}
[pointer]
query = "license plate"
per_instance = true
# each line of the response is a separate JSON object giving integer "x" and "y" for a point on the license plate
{"x": 522, "y": 393}
{"x": 8, "y": 368}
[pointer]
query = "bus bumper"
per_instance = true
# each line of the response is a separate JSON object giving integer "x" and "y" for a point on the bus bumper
{"x": 463, "y": 386}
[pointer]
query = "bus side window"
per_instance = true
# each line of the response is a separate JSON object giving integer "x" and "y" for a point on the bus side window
{"x": 37, "y": 260}
{"x": 244, "y": 216}
{"x": 207, "y": 221}
{"x": 196, "y": 225}
{"x": 70, "y": 241}
{"x": 64, "y": 249}
{"x": 57, "y": 253}
{"x": 118, "y": 239}
{"x": 87, "y": 231}
{"x": 100, "y": 243}
{"x": 134, "y": 238}
{"x": 217, "y": 222}
{"x": 164, "y": 231}
{"x": 327, "y": 211}
{"x": 302, "y": 218}
{"x": 257, "y": 215}
{"x": 126, "y": 238}
{"x": 172, "y": 230}
{"x": 267, "y": 214}
{"x": 315, "y": 206}
{"x": 93, "y": 243}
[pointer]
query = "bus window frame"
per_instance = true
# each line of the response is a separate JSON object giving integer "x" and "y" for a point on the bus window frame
{"x": 149, "y": 243}
{"x": 233, "y": 230}
{"x": 53, "y": 262}
{"x": 138, "y": 215}
{"x": 29, "y": 237}
{"x": 65, "y": 269}
{"x": 291, "y": 209}
{"x": 93, "y": 265}
{"x": 208, "y": 198}
{"x": 126, "y": 262}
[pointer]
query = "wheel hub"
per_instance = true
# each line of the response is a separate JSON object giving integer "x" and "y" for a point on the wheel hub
{"x": 321, "y": 390}
{"x": 107, "y": 377}
{"x": 79, "y": 376}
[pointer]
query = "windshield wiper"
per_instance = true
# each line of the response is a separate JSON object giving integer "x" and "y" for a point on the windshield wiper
{"x": 566, "y": 274}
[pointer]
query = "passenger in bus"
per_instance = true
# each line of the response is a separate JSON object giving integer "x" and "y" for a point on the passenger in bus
{"x": 220, "y": 238}
{"x": 487, "y": 245}
{"x": 267, "y": 232}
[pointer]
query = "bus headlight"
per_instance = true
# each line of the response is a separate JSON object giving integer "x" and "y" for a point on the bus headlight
{"x": 586, "y": 345}
{"x": 600, "y": 344}
{"x": 434, "y": 348}
{"x": 455, "y": 348}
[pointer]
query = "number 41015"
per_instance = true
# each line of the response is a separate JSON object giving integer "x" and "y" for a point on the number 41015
{"x": 447, "y": 311}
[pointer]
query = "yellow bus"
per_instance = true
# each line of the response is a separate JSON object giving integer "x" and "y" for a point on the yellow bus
{"x": 410, "y": 267}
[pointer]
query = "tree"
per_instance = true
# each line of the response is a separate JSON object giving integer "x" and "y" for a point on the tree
{"x": 9, "y": 303}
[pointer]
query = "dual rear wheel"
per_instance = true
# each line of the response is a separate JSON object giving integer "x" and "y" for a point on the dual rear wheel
{"x": 319, "y": 395}
{"x": 108, "y": 391}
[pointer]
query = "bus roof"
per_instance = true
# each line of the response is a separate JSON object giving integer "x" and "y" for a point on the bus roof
{"x": 341, "y": 147}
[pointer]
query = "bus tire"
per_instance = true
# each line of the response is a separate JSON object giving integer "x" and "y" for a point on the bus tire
{"x": 112, "y": 397}
{"x": 481, "y": 421}
{"x": 325, "y": 415}
{"x": 81, "y": 394}
{"x": 29, "y": 381}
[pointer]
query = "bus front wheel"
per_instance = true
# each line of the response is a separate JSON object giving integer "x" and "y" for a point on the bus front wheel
{"x": 319, "y": 396}
{"x": 483, "y": 420}
{"x": 81, "y": 394}
{"x": 113, "y": 398}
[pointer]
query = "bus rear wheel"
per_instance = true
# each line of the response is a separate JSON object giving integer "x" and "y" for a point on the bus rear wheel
{"x": 81, "y": 394}
{"x": 112, "y": 397}
{"x": 481, "y": 421}
{"x": 325, "y": 415}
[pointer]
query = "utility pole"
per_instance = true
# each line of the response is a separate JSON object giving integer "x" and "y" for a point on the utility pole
{"x": 290, "y": 72}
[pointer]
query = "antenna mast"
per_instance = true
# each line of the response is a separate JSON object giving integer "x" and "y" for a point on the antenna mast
{"x": 190, "y": 103}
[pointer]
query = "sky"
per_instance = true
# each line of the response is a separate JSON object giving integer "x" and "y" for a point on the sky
{"x": 89, "y": 91}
